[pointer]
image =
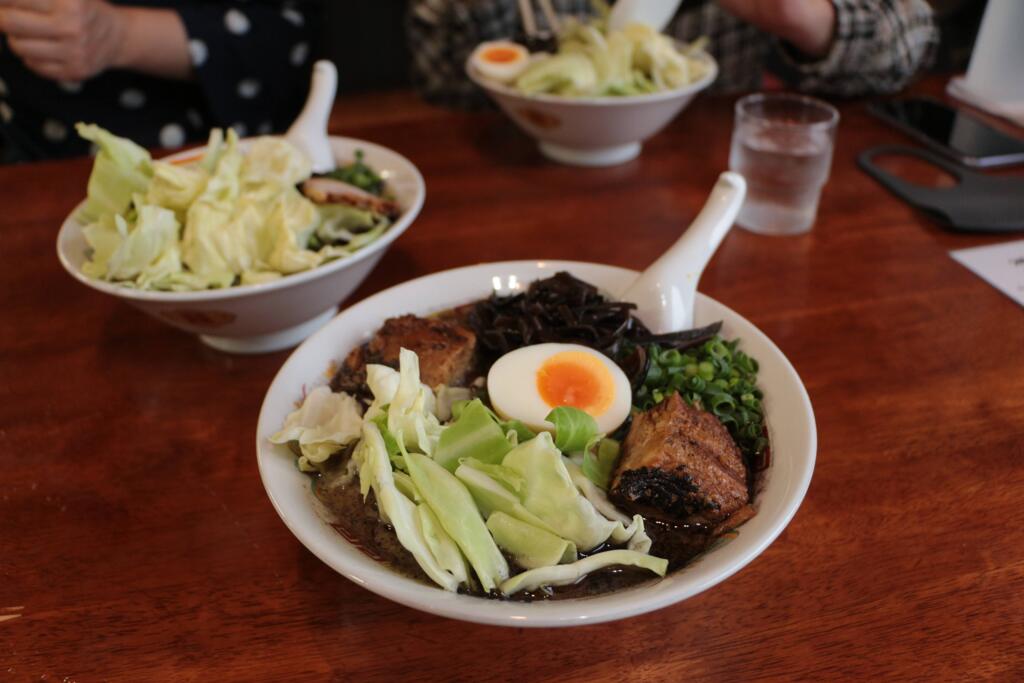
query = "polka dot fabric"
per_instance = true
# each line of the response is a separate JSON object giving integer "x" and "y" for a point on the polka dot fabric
{"x": 255, "y": 61}
{"x": 251, "y": 61}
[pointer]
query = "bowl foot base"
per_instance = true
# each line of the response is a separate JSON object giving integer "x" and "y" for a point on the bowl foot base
{"x": 275, "y": 341}
{"x": 599, "y": 156}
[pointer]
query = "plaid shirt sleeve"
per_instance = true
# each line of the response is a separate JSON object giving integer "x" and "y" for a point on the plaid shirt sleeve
{"x": 879, "y": 46}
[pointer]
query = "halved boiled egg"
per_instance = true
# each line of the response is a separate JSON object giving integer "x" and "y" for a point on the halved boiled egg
{"x": 528, "y": 383}
{"x": 500, "y": 60}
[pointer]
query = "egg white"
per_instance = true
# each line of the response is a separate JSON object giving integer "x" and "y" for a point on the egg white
{"x": 512, "y": 387}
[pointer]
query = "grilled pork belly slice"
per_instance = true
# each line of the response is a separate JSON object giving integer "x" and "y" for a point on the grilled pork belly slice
{"x": 446, "y": 349}
{"x": 679, "y": 464}
{"x": 351, "y": 376}
{"x": 322, "y": 190}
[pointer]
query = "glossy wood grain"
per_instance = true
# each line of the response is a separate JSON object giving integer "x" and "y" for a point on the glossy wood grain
{"x": 136, "y": 542}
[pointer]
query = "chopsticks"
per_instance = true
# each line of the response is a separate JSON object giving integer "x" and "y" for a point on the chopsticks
{"x": 530, "y": 20}
{"x": 526, "y": 15}
{"x": 550, "y": 16}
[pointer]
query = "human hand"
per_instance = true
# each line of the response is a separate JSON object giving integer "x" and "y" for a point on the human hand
{"x": 64, "y": 40}
{"x": 809, "y": 25}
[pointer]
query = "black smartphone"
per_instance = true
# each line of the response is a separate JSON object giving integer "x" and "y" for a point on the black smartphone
{"x": 950, "y": 131}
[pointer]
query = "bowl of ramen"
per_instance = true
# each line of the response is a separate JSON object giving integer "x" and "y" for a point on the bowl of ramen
{"x": 517, "y": 448}
{"x": 598, "y": 94}
{"x": 237, "y": 241}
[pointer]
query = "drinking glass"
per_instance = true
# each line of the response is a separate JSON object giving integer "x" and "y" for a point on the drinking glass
{"x": 782, "y": 144}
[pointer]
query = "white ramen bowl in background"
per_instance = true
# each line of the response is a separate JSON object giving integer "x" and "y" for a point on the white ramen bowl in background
{"x": 593, "y": 131}
{"x": 787, "y": 408}
{"x": 275, "y": 315}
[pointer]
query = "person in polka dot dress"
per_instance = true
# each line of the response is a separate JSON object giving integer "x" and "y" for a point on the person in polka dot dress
{"x": 157, "y": 71}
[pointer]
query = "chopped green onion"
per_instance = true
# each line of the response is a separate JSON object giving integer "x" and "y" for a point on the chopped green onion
{"x": 716, "y": 349}
{"x": 706, "y": 371}
{"x": 715, "y": 376}
{"x": 717, "y": 400}
{"x": 672, "y": 358}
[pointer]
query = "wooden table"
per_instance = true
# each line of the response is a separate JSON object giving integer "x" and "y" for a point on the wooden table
{"x": 136, "y": 541}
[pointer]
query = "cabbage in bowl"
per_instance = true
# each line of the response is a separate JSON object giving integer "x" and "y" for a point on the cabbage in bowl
{"x": 595, "y": 62}
{"x": 233, "y": 215}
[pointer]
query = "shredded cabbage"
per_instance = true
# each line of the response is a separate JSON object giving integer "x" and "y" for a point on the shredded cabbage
{"x": 383, "y": 384}
{"x": 574, "y": 428}
{"x": 239, "y": 216}
{"x": 289, "y": 220}
{"x": 273, "y": 161}
{"x": 492, "y": 497}
{"x": 441, "y": 544}
{"x": 595, "y": 62}
{"x": 505, "y": 476}
{"x": 568, "y": 73}
{"x": 550, "y": 494}
{"x": 411, "y": 416}
{"x": 446, "y": 397}
{"x": 598, "y": 466}
{"x": 398, "y": 510}
{"x": 531, "y": 546}
{"x": 121, "y": 170}
{"x": 406, "y": 405}
{"x": 527, "y": 499}
{"x": 340, "y": 222}
{"x": 459, "y": 516}
{"x": 405, "y": 484}
{"x": 564, "y": 574}
{"x": 143, "y": 251}
{"x": 175, "y": 186}
{"x": 595, "y": 495}
{"x": 323, "y": 425}
{"x": 475, "y": 434}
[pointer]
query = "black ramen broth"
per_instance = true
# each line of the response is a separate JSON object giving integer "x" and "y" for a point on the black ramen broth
{"x": 570, "y": 311}
{"x": 360, "y": 524}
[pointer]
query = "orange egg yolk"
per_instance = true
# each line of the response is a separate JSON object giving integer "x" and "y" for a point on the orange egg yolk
{"x": 500, "y": 55}
{"x": 577, "y": 379}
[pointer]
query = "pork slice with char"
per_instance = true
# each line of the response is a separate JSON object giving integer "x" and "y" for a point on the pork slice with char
{"x": 322, "y": 190}
{"x": 680, "y": 464}
{"x": 446, "y": 349}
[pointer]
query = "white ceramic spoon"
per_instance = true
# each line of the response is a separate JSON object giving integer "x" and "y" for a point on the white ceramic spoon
{"x": 654, "y": 13}
{"x": 665, "y": 292}
{"x": 309, "y": 131}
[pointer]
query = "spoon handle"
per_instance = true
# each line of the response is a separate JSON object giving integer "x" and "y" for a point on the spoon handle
{"x": 309, "y": 131}
{"x": 665, "y": 292}
{"x": 654, "y": 13}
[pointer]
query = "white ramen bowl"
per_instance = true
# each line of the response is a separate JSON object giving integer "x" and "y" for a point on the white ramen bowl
{"x": 593, "y": 131}
{"x": 275, "y": 315}
{"x": 788, "y": 411}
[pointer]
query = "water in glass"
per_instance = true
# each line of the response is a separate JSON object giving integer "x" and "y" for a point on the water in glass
{"x": 785, "y": 171}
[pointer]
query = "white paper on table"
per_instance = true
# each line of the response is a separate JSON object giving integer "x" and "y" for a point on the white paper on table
{"x": 1001, "y": 265}
{"x": 1011, "y": 111}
